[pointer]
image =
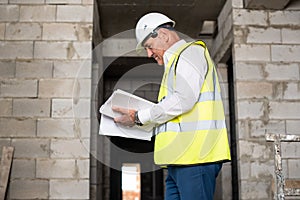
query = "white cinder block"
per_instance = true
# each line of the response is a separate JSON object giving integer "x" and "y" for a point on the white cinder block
{"x": 259, "y": 128}
{"x": 290, "y": 150}
{"x": 29, "y": 189}
{"x": 31, "y": 148}
{"x": 284, "y": 18}
{"x": 83, "y": 167}
{"x": 9, "y": 13}
{"x": 7, "y": 69}
{"x": 37, "y": 13}
{"x": 293, "y": 127}
{"x": 250, "y": 90}
{"x": 291, "y": 91}
{"x": 62, "y": 128}
{"x": 34, "y": 69}
{"x": 59, "y": 31}
{"x": 23, "y": 168}
{"x": 5, "y": 108}
{"x": 245, "y": 169}
{"x": 11, "y": 127}
{"x": 3, "y": 1}
{"x": 250, "y": 109}
{"x": 31, "y": 107}
{"x": 55, "y": 169}
{"x": 23, "y": 31}
{"x": 262, "y": 169}
{"x": 56, "y": 87}
{"x": 294, "y": 168}
{"x": 285, "y": 53}
{"x": 83, "y": 128}
{"x": 249, "y": 17}
{"x": 18, "y": 88}
{"x": 63, "y": 1}
{"x": 62, "y": 108}
{"x": 237, "y": 3}
{"x": 74, "y": 13}
{"x": 70, "y": 148}
{"x": 248, "y": 71}
{"x": 2, "y": 31}
{"x": 284, "y": 110}
{"x": 87, "y": 2}
{"x": 26, "y": 2}
{"x": 244, "y": 129}
{"x": 291, "y": 36}
{"x": 70, "y": 108}
{"x": 72, "y": 69}
{"x": 13, "y": 50}
{"x": 248, "y": 189}
{"x": 251, "y": 52}
{"x": 4, "y": 142}
{"x": 64, "y": 88}
{"x": 264, "y": 35}
{"x": 67, "y": 31}
{"x": 254, "y": 150}
{"x": 69, "y": 189}
{"x": 286, "y": 72}
{"x": 84, "y": 32}
{"x": 82, "y": 50}
{"x": 51, "y": 50}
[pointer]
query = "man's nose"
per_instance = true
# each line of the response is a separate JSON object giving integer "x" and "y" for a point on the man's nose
{"x": 149, "y": 53}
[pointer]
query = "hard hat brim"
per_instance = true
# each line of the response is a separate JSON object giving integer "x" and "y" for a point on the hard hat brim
{"x": 139, "y": 48}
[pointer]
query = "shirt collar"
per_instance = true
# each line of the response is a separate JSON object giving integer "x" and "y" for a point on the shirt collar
{"x": 169, "y": 52}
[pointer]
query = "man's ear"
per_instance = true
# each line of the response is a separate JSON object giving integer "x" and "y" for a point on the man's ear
{"x": 164, "y": 35}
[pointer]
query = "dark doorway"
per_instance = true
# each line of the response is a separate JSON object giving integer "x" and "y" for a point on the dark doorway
{"x": 141, "y": 77}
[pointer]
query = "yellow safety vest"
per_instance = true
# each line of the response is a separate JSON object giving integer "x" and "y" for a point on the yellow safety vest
{"x": 200, "y": 135}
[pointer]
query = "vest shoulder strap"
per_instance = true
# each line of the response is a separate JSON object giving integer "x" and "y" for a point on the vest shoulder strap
{"x": 198, "y": 42}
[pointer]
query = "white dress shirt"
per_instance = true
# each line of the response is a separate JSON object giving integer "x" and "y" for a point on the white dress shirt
{"x": 190, "y": 74}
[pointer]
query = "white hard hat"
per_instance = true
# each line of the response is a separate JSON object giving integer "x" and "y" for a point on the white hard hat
{"x": 147, "y": 24}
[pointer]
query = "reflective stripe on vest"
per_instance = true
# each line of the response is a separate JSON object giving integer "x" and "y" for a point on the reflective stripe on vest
{"x": 192, "y": 126}
{"x": 200, "y": 135}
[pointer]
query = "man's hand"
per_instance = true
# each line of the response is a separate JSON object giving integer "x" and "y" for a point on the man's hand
{"x": 127, "y": 118}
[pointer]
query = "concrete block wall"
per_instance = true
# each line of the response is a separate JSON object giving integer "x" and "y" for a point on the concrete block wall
{"x": 266, "y": 49}
{"x": 45, "y": 95}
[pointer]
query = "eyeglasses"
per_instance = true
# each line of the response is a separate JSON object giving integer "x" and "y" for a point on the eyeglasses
{"x": 154, "y": 33}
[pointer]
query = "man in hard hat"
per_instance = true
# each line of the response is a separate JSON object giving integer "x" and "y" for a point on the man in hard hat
{"x": 191, "y": 135}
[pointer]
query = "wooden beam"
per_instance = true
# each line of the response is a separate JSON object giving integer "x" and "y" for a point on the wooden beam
{"x": 5, "y": 166}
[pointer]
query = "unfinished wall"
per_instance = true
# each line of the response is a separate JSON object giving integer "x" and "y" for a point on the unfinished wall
{"x": 266, "y": 51}
{"x": 44, "y": 103}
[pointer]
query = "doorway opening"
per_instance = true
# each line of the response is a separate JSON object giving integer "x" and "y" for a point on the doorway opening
{"x": 133, "y": 175}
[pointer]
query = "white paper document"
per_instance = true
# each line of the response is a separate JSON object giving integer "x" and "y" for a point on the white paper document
{"x": 129, "y": 101}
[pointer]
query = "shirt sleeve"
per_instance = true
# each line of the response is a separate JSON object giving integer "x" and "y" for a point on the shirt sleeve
{"x": 190, "y": 75}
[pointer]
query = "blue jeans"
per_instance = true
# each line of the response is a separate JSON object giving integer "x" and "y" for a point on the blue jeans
{"x": 192, "y": 182}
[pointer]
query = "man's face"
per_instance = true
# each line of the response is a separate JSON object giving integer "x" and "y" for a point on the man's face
{"x": 155, "y": 49}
